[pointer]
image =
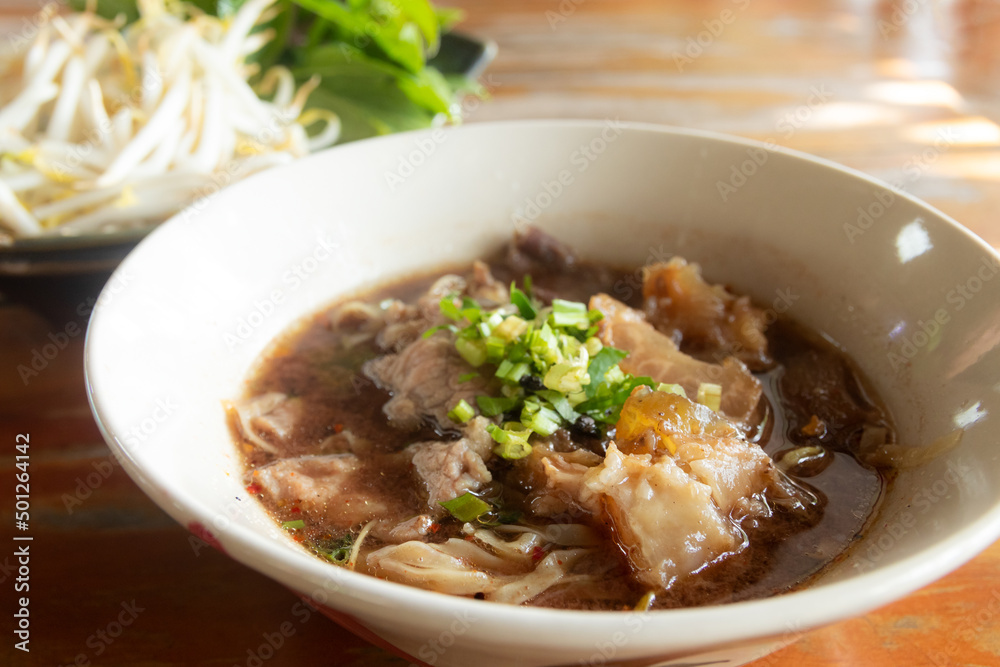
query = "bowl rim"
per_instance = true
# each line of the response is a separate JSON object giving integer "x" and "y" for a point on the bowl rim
{"x": 806, "y": 608}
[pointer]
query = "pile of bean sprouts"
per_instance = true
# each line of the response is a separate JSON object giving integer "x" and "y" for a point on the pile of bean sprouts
{"x": 104, "y": 128}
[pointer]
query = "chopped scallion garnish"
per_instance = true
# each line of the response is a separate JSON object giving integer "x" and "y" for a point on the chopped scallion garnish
{"x": 671, "y": 389}
{"x": 710, "y": 395}
{"x": 512, "y": 440}
{"x": 461, "y": 413}
{"x": 466, "y": 507}
{"x": 294, "y": 525}
{"x": 550, "y": 366}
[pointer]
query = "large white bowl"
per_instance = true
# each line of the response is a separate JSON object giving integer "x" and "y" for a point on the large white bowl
{"x": 905, "y": 290}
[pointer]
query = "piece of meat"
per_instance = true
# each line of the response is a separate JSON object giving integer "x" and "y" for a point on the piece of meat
{"x": 533, "y": 248}
{"x": 423, "y": 379}
{"x": 328, "y": 489}
{"x": 484, "y": 288}
{"x": 359, "y": 321}
{"x": 415, "y": 528}
{"x": 653, "y": 354}
{"x": 556, "y": 479}
{"x": 706, "y": 320}
{"x": 665, "y": 520}
{"x": 449, "y": 469}
{"x": 676, "y": 485}
{"x": 267, "y": 420}
{"x": 404, "y": 324}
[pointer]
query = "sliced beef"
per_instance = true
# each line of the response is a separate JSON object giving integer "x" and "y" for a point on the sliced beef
{"x": 423, "y": 379}
{"x": 706, "y": 320}
{"x": 555, "y": 479}
{"x": 532, "y": 249}
{"x": 449, "y": 469}
{"x": 328, "y": 489}
{"x": 486, "y": 289}
{"x": 411, "y": 321}
{"x": 415, "y": 528}
{"x": 268, "y": 420}
{"x": 404, "y": 324}
{"x": 655, "y": 355}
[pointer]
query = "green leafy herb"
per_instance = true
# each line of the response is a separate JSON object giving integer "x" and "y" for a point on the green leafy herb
{"x": 372, "y": 57}
{"x": 294, "y": 525}
{"x": 551, "y": 366}
{"x": 340, "y": 551}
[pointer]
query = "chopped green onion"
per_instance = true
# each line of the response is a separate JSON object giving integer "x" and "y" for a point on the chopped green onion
{"x": 449, "y": 309}
{"x": 510, "y": 328}
{"x": 512, "y": 440}
{"x": 466, "y": 507}
{"x": 461, "y": 413}
{"x": 294, "y": 525}
{"x": 473, "y": 351}
{"x": 560, "y": 404}
{"x": 495, "y": 348}
{"x": 543, "y": 421}
{"x": 522, "y": 301}
{"x": 593, "y": 345}
{"x": 566, "y": 370}
{"x": 671, "y": 389}
{"x": 340, "y": 551}
{"x": 569, "y": 313}
{"x": 508, "y": 370}
{"x": 710, "y": 395}
{"x": 544, "y": 345}
{"x": 442, "y": 327}
{"x": 566, "y": 378}
{"x": 491, "y": 407}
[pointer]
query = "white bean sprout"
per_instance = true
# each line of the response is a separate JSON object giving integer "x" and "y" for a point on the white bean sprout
{"x": 104, "y": 128}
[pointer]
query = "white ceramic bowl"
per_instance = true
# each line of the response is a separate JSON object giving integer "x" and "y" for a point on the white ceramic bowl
{"x": 905, "y": 290}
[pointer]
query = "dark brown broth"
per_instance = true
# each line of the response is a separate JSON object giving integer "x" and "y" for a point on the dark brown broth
{"x": 783, "y": 552}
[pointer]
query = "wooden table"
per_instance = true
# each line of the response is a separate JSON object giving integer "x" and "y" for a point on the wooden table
{"x": 908, "y": 91}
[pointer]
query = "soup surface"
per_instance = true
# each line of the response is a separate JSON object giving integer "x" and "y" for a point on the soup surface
{"x": 593, "y": 439}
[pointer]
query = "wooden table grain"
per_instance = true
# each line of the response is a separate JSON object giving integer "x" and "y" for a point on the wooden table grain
{"x": 906, "y": 90}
